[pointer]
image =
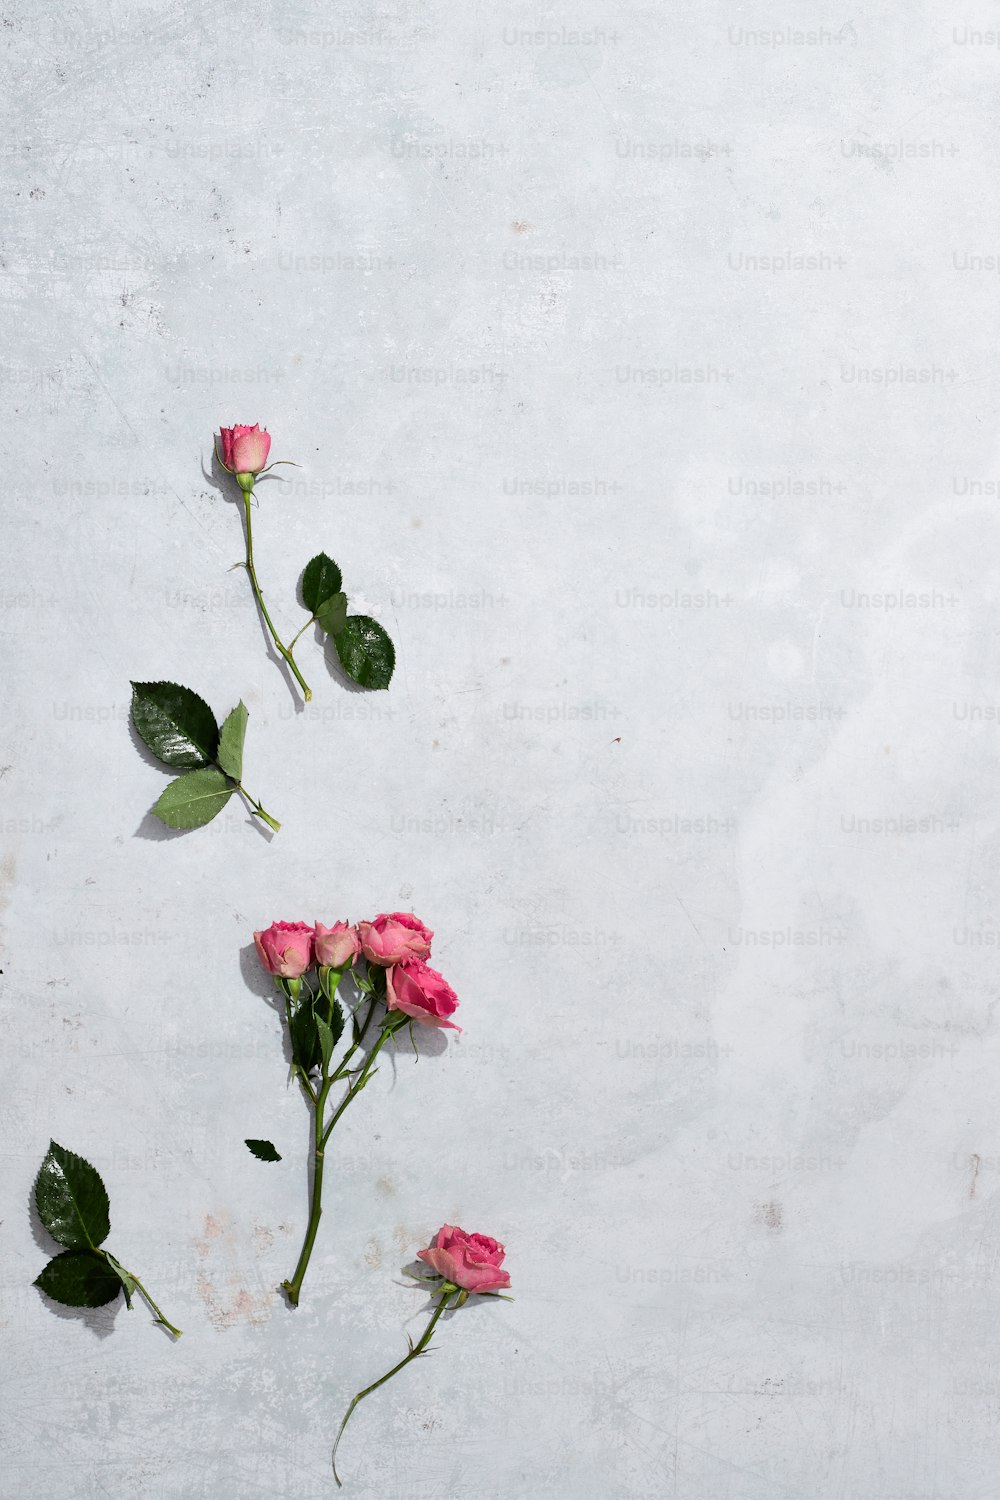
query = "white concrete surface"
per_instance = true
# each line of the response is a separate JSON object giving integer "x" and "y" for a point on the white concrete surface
{"x": 629, "y": 497}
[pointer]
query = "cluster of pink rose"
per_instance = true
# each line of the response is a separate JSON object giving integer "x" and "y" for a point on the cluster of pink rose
{"x": 395, "y": 941}
{"x": 397, "y": 945}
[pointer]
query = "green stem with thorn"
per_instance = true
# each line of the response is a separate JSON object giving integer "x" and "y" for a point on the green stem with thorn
{"x": 133, "y": 1278}
{"x": 392, "y": 1025}
{"x": 256, "y": 809}
{"x": 245, "y": 482}
{"x": 416, "y": 1350}
{"x": 159, "y": 1316}
{"x": 321, "y": 1134}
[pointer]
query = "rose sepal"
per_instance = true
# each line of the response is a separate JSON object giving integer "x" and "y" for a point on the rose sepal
{"x": 329, "y": 979}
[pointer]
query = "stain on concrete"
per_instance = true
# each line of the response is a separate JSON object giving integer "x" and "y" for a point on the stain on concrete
{"x": 771, "y": 1215}
{"x": 221, "y": 1278}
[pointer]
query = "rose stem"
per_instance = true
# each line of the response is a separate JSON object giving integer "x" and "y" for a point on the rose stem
{"x": 321, "y": 1134}
{"x": 415, "y": 1353}
{"x": 249, "y": 565}
{"x": 159, "y": 1316}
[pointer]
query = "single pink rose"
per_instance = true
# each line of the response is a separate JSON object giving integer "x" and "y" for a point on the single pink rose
{"x": 420, "y": 992}
{"x": 285, "y": 949}
{"x": 471, "y": 1261}
{"x": 245, "y": 449}
{"x": 337, "y": 946}
{"x": 392, "y": 937}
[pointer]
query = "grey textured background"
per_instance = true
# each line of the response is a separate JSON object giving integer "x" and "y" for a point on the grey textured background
{"x": 634, "y": 374}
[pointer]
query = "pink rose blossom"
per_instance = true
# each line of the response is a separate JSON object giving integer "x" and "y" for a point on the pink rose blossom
{"x": 420, "y": 992}
{"x": 470, "y": 1261}
{"x": 337, "y": 946}
{"x": 393, "y": 937}
{"x": 285, "y": 949}
{"x": 244, "y": 449}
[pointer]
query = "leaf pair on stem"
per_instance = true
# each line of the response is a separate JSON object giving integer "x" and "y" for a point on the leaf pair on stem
{"x": 72, "y": 1203}
{"x": 182, "y": 731}
{"x": 365, "y": 651}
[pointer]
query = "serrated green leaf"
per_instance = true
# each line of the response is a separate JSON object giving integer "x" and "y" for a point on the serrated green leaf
{"x": 332, "y": 614}
{"x": 125, "y": 1277}
{"x": 305, "y": 1038}
{"x": 177, "y": 725}
{"x": 231, "y": 737}
{"x": 79, "y": 1278}
{"x": 337, "y": 1022}
{"x": 264, "y": 1150}
{"x": 325, "y": 1042}
{"x": 366, "y": 653}
{"x": 71, "y": 1199}
{"x": 320, "y": 580}
{"x": 194, "y": 799}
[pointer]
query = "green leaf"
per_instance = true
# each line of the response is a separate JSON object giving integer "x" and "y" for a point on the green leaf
{"x": 193, "y": 800}
{"x": 336, "y": 1023}
{"x": 79, "y": 1278}
{"x": 366, "y": 652}
{"x": 332, "y": 614}
{"x": 264, "y": 1150}
{"x": 125, "y": 1277}
{"x": 71, "y": 1199}
{"x": 305, "y": 1038}
{"x": 234, "y": 729}
{"x": 325, "y": 1042}
{"x": 320, "y": 579}
{"x": 177, "y": 725}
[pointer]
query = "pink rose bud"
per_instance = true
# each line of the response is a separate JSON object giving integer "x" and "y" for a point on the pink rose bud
{"x": 285, "y": 949}
{"x": 471, "y": 1261}
{"x": 420, "y": 992}
{"x": 336, "y": 946}
{"x": 393, "y": 937}
{"x": 244, "y": 449}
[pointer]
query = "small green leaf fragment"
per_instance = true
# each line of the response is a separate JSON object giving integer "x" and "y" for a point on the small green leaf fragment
{"x": 71, "y": 1199}
{"x": 264, "y": 1150}
{"x": 231, "y": 737}
{"x": 320, "y": 579}
{"x": 79, "y": 1278}
{"x": 366, "y": 653}
{"x": 194, "y": 799}
{"x": 177, "y": 725}
{"x": 332, "y": 614}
